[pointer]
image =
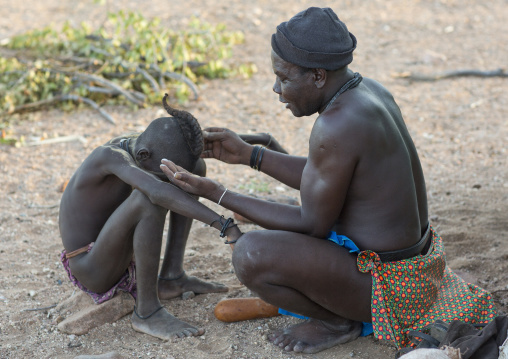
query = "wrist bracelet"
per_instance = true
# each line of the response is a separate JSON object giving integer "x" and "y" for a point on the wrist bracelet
{"x": 254, "y": 156}
{"x": 269, "y": 141}
{"x": 232, "y": 242}
{"x": 225, "y": 226}
{"x": 220, "y": 199}
{"x": 258, "y": 165}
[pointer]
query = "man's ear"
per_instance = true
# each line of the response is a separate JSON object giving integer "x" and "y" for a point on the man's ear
{"x": 319, "y": 77}
{"x": 142, "y": 154}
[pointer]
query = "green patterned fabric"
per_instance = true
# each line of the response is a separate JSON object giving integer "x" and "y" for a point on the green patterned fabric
{"x": 412, "y": 293}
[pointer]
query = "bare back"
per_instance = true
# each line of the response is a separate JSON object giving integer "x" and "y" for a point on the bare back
{"x": 92, "y": 195}
{"x": 363, "y": 175}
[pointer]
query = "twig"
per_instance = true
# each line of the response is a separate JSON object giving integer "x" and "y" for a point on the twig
{"x": 47, "y": 102}
{"x": 499, "y": 290}
{"x": 48, "y": 206}
{"x": 56, "y": 140}
{"x": 447, "y": 74}
{"x": 36, "y": 309}
{"x": 109, "y": 84}
{"x": 184, "y": 79}
{"x": 20, "y": 80}
{"x": 96, "y": 89}
{"x": 149, "y": 78}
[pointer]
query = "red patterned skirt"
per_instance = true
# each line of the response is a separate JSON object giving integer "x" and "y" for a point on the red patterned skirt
{"x": 412, "y": 293}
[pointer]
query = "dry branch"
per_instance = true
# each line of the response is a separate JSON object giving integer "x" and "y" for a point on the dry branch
{"x": 110, "y": 84}
{"x": 57, "y": 140}
{"x": 184, "y": 79}
{"x": 447, "y": 74}
{"x": 35, "y": 105}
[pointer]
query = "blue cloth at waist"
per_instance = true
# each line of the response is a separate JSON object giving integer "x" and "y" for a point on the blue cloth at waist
{"x": 347, "y": 243}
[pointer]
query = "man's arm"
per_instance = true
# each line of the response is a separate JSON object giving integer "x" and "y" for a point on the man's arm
{"x": 264, "y": 139}
{"x": 324, "y": 184}
{"x": 227, "y": 146}
{"x": 284, "y": 168}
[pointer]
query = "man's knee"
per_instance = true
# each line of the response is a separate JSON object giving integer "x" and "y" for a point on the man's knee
{"x": 249, "y": 258}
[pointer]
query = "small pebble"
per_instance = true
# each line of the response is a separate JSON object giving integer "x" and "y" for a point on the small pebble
{"x": 188, "y": 295}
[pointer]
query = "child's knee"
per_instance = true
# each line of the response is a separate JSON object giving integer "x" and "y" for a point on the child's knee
{"x": 200, "y": 168}
{"x": 139, "y": 200}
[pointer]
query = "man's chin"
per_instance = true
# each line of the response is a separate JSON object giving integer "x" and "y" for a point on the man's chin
{"x": 293, "y": 110}
{"x": 296, "y": 113}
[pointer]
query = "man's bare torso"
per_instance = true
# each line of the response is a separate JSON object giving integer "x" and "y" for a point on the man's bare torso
{"x": 385, "y": 207}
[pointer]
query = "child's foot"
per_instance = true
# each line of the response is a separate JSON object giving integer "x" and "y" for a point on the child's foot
{"x": 161, "y": 324}
{"x": 172, "y": 288}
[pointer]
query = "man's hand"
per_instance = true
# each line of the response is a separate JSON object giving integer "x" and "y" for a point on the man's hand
{"x": 226, "y": 146}
{"x": 191, "y": 183}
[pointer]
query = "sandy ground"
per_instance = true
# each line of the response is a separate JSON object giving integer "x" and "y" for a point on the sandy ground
{"x": 459, "y": 126}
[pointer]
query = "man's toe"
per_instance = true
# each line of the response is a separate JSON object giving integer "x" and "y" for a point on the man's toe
{"x": 299, "y": 347}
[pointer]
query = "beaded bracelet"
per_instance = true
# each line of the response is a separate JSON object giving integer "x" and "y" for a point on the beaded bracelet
{"x": 225, "y": 226}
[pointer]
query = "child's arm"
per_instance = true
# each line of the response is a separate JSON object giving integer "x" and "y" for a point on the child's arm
{"x": 113, "y": 161}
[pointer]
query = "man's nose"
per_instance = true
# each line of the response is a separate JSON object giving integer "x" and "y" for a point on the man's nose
{"x": 276, "y": 87}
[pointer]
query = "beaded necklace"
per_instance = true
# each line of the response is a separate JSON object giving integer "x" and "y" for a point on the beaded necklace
{"x": 355, "y": 81}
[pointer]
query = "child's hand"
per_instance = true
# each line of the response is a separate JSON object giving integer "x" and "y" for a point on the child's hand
{"x": 233, "y": 234}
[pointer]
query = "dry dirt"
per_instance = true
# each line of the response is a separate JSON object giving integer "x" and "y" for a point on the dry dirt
{"x": 459, "y": 126}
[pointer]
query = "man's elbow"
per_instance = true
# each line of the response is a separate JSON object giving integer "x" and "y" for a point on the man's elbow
{"x": 319, "y": 234}
{"x": 316, "y": 231}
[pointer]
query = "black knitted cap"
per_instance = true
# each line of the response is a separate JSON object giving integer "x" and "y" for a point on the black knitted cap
{"x": 315, "y": 38}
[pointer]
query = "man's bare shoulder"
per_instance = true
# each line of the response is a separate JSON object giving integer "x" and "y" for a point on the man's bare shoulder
{"x": 358, "y": 110}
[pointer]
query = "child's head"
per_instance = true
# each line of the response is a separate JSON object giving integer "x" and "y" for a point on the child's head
{"x": 178, "y": 139}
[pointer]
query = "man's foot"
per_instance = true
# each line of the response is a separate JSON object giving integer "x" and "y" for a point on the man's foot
{"x": 313, "y": 335}
{"x": 161, "y": 324}
{"x": 172, "y": 288}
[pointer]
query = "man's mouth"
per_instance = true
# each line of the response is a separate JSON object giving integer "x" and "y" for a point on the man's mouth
{"x": 284, "y": 102}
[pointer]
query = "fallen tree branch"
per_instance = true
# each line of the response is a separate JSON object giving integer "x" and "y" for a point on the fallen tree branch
{"x": 51, "y": 206}
{"x": 447, "y": 74}
{"x": 149, "y": 78}
{"x": 110, "y": 92}
{"x": 42, "y": 308}
{"x": 35, "y": 105}
{"x": 109, "y": 84}
{"x": 56, "y": 140}
{"x": 184, "y": 79}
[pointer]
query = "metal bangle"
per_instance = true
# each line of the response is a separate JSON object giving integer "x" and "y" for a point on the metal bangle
{"x": 220, "y": 199}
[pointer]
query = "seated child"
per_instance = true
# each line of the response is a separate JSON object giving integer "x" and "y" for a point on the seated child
{"x": 112, "y": 216}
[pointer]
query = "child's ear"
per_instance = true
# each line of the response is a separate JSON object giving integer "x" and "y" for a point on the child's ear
{"x": 142, "y": 154}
